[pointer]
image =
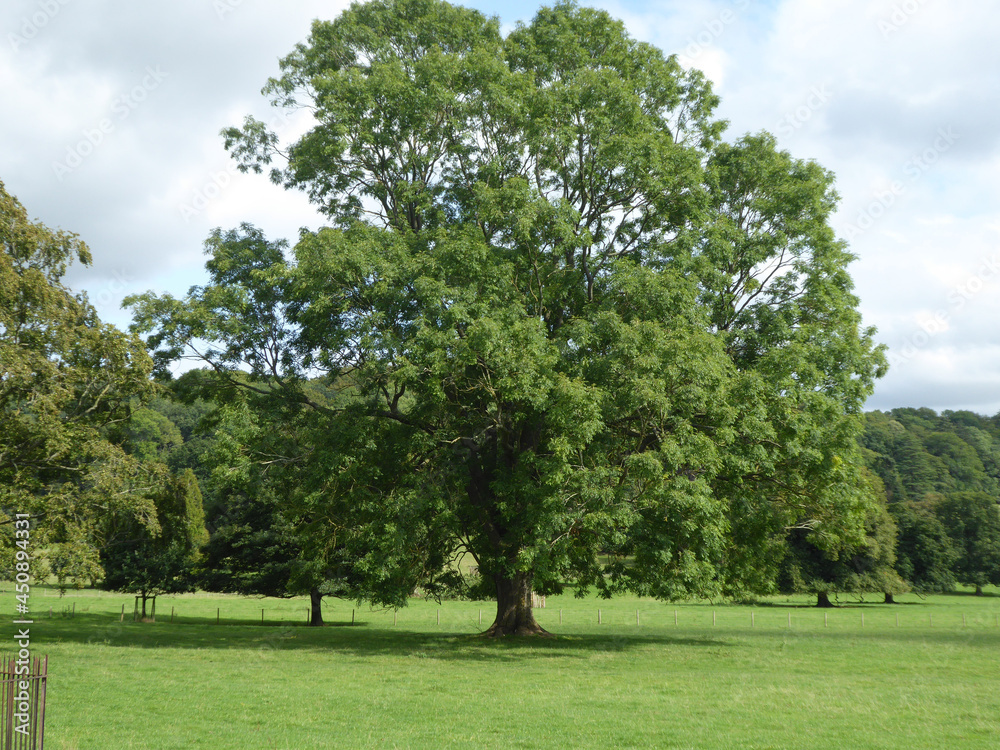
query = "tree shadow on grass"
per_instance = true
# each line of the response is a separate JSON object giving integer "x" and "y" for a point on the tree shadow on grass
{"x": 340, "y": 637}
{"x": 835, "y": 606}
{"x": 851, "y": 604}
{"x": 971, "y": 595}
{"x": 271, "y": 640}
{"x": 788, "y": 605}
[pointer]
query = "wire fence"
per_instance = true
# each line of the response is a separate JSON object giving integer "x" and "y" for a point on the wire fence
{"x": 455, "y": 615}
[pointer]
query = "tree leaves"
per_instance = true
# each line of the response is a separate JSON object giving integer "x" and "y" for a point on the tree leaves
{"x": 65, "y": 378}
{"x": 560, "y": 316}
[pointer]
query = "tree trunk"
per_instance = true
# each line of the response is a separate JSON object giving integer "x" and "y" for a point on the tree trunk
{"x": 889, "y": 599}
{"x": 823, "y": 599}
{"x": 514, "y": 615}
{"x": 316, "y": 610}
{"x": 143, "y": 616}
{"x": 979, "y": 589}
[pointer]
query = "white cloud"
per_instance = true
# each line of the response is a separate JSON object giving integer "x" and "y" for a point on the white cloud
{"x": 711, "y": 61}
{"x": 864, "y": 88}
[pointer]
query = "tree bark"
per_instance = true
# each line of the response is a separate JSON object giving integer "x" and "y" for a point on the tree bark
{"x": 979, "y": 589}
{"x": 514, "y": 614}
{"x": 889, "y": 599}
{"x": 315, "y": 608}
{"x": 823, "y": 599}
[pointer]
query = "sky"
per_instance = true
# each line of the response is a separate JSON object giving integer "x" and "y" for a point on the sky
{"x": 110, "y": 116}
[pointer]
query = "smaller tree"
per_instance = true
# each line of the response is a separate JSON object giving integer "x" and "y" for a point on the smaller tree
{"x": 822, "y": 564}
{"x": 254, "y": 550}
{"x": 260, "y": 543}
{"x": 972, "y": 520}
{"x": 294, "y": 516}
{"x": 151, "y": 562}
{"x": 925, "y": 554}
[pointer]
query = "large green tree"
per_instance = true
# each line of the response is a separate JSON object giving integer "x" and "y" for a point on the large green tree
{"x": 566, "y": 318}
{"x": 66, "y": 379}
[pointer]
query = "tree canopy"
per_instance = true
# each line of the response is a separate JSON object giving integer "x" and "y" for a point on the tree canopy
{"x": 287, "y": 524}
{"x": 65, "y": 379}
{"x": 161, "y": 561}
{"x": 562, "y": 316}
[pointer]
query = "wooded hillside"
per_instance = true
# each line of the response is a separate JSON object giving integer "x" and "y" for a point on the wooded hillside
{"x": 942, "y": 481}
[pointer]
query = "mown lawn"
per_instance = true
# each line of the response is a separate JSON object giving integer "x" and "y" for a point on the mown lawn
{"x": 827, "y": 681}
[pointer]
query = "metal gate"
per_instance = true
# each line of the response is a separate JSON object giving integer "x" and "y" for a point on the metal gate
{"x": 22, "y": 703}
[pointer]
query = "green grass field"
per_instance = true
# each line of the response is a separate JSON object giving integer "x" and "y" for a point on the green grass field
{"x": 826, "y": 681}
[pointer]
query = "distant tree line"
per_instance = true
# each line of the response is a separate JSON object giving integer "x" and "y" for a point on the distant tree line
{"x": 941, "y": 475}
